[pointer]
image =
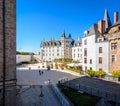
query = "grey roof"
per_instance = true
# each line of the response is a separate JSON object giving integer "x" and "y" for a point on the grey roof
{"x": 77, "y": 42}
{"x": 93, "y": 30}
{"x": 69, "y": 36}
{"x": 50, "y": 43}
{"x": 107, "y": 19}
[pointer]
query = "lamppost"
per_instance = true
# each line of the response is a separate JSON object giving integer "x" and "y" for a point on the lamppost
{"x": 41, "y": 94}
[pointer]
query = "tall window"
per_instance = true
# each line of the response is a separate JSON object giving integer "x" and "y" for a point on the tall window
{"x": 113, "y": 58}
{"x": 114, "y": 45}
{"x": 85, "y": 42}
{"x": 90, "y": 68}
{"x": 90, "y": 61}
{"x": 100, "y": 49}
{"x": 85, "y": 60}
{"x": 100, "y": 60}
{"x": 74, "y": 55}
{"x": 78, "y": 55}
{"x": 85, "y": 51}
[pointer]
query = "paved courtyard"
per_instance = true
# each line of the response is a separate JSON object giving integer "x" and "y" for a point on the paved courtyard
{"x": 29, "y": 95}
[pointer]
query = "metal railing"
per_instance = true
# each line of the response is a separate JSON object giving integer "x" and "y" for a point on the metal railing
{"x": 60, "y": 96}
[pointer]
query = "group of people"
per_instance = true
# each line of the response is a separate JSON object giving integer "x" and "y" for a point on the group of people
{"x": 40, "y": 72}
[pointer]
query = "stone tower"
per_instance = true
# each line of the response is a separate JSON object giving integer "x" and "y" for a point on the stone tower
{"x": 7, "y": 52}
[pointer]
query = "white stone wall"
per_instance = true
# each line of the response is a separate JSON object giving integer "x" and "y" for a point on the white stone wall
{"x": 105, "y": 56}
{"x": 77, "y": 50}
{"x": 90, "y": 52}
{"x": 50, "y": 53}
{"x": 22, "y": 58}
{"x": 93, "y": 54}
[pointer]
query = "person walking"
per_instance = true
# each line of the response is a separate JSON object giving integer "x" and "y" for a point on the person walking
{"x": 39, "y": 72}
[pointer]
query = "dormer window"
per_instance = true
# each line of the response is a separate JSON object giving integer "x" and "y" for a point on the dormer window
{"x": 100, "y": 40}
{"x": 85, "y": 33}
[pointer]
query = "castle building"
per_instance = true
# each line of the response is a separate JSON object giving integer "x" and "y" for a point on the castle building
{"x": 50, "y": 50}
{"x": 7, "y": 52}
{"x": 77, "y": 50}
{"x": 99, "y": 48}
{"x": 113, "y": 35}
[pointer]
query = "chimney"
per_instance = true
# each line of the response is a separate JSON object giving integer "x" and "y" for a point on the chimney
{"x": 115, "y": 17}
{"x": 101, "y": 26}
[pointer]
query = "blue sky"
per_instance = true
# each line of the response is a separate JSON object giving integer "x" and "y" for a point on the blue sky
{"x": 38, "y": 19}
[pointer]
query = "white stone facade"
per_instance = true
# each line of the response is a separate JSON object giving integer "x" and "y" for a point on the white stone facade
{"x": 95, "y": 50}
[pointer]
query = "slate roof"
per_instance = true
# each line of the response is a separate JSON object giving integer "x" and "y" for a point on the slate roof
{"x": 107, "y": 19}
{"x": 93, "y": 30}
{"x": 77, "y": 42}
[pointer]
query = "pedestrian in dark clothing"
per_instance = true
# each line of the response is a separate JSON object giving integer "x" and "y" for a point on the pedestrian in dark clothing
{"x": 39, "y": 72}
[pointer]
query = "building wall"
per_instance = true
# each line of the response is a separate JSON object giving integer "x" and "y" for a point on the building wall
{"x": 114, "y": 37}
{"x": 90, "y": 52}
{"x": 10, "y": 51}
{"x": 50, "y": 53}
{"x": 23, "y": 58}
{"x": 77, "y": 53}
{"x": 105, "y": 56}
{"x": 93, "y": 54}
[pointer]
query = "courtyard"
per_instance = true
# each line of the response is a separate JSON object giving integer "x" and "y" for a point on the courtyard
{"x": 29, "y": 86}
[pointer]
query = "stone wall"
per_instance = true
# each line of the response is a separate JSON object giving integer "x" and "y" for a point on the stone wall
{"x": 10, "y": 51}
{"x": 114, "y": 37}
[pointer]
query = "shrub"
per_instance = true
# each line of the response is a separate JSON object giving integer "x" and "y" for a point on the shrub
{"x": 116, "y": 73}
{"x": 56, "y": 65}
{"x": 90, "y": 73}
{"x": 51, "y": 65}
{"x": 100, "y": 73}
{"x": 93, "y": 73}
{"x": 73, "y": 69}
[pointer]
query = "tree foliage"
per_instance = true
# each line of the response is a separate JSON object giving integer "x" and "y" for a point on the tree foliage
{"x": 24, "y": 53}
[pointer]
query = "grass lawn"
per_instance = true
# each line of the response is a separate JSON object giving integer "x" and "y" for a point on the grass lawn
{"x": 79, "y": 99}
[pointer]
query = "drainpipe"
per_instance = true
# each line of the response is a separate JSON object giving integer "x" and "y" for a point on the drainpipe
{"x": 4, "y": 51}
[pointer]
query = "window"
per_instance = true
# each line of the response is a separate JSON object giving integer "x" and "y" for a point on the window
{"x": 85, "y": 60}
{"x": 114, "y": 45}
{"x": 100, "y": 40}
{"x": 113, "y": 58}
{"x": 74, "y": 50}
{"x": 90, "y": 61}
{"x": 85, "y": 51}
{"x": 85, "y": 42}
{"x": 100, "y": 49}
{"x": 74, "y": 55}
{"x": 100, "y": 60}
{"x": 100, "y": 69}
{"x": 78, "y": 55}
{"x": 90, "y": 68}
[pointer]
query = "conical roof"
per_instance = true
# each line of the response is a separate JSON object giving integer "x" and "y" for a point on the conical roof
{"x": 107, "y": 19}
